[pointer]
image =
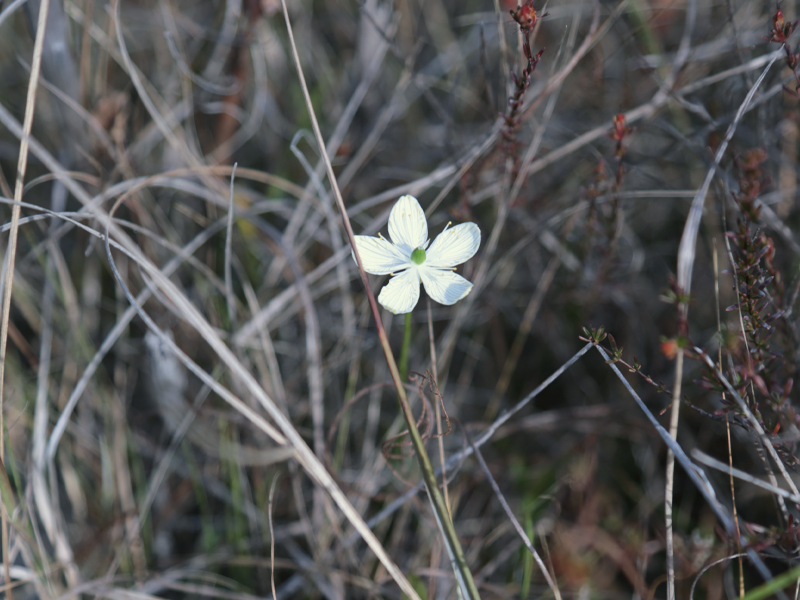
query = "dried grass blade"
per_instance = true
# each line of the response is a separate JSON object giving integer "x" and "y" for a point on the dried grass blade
{"x": 696, "y": 475}
{"x": 304, "y": 454}
{"x": 707, "y": 460}
{"x": 22, "y": 165}
{"x": 751, "y": 418}
{"x": 517, "y": 527}
{"x": 686, "y": 250}
{"x": 453, "y": 545}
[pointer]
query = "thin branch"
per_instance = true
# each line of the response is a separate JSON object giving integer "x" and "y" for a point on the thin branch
{"x": 229, "y": 297}
{"x": 697, "y": 477}
{"x": 437, "y": 410}
{"x": 670, "y": 476}
{"x": 751, "y": 419}
{"x": 707, "y": 460}
{"x": 520, "y": 531}
{"x": 272, "y": 537}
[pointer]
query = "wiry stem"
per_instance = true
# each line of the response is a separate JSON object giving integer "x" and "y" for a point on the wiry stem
{"x": 22, "y": 166}
{"x": 670, "y": 478}
{"x": 727, "y": 417}
{"x": 457, "y": 558}
{"x": 439, "y": 436}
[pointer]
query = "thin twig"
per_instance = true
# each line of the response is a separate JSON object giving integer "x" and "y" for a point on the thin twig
{"x": 740, "y": 314}
{"x": 715, "y": 260}
{"x": 437, "y": 408}
{"x": 460, "y": 567}
{"x": 686, "y": 255}
{"x": 707, "y": 567}
{"x": 707, "y": 460}
{"x": 670, "y": 476}
{"x": 501, "y": 33}
{"x": 696, "y": 475}
{"x": 520, "y": 531}
{"x": 680, "y": 59}
{"x": 272, "y": 537}
{"x": 229, "y": 297}
{"x": 751, "y": 419}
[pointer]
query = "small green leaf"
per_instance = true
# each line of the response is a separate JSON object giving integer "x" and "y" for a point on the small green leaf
{"x": 772, "y": 586}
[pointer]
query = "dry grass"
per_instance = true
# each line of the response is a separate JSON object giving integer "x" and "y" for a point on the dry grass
{"x": 195, "y": 402}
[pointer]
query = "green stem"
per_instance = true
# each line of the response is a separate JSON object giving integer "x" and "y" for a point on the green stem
{"x": 344, "y": 426}
{"x": 404, "y": 348}
{"x": 440, "y": 512}
{"x": 456, "y": 553}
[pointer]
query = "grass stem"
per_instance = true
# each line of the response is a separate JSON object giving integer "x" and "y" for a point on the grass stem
{"x": 458, "y": 560}
{"x": 22, "y": 165}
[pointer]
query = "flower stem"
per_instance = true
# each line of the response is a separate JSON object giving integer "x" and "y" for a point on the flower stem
{"x": 404, "y": 348}
{"x": 455, "y": 552}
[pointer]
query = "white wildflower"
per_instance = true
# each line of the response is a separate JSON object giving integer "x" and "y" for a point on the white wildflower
{"x": 409, "y": 259}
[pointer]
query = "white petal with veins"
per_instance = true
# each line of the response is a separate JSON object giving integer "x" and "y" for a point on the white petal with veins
{"x": 445, "y": 287}
{"x": 400, "y": 295}
{"x": 454, "y": 246}
{"x": 408, "y": 227}
{"x": 379, "y": 256}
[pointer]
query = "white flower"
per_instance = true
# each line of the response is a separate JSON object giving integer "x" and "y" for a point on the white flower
{"x": 409, "y": 259}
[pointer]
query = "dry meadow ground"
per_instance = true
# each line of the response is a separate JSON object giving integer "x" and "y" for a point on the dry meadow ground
{"x": 195, "y": 395}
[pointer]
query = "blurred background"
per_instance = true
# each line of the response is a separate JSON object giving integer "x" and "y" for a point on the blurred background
{"x": 130, "y": 476}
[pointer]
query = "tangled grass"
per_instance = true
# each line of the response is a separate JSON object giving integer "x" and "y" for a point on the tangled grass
{"x": 195, "y": 402}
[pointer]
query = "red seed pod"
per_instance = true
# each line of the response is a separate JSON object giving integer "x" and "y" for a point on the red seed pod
{"x": 777, "y": 20}
{"x": 621, "y": 129}
{"x": 781, "y": 30}
{"x": 525, "y": 16}
{"x": 669, "y": 348}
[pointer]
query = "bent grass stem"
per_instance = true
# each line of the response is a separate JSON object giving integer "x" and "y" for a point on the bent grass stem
{"x": 458, "y": 560}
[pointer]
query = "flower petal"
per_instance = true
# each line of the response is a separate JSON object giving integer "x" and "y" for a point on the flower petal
{"x": 454, "y": 246}
{"x": 444, "y": 286}
{"x": 407, "y": 225}
{"x": 380, "y": 256}
{"x": 400, "y": 295}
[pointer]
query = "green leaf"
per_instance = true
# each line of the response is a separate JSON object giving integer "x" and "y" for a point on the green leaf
{"x": 418, "y": 585}
{"x": 775, "y": 584}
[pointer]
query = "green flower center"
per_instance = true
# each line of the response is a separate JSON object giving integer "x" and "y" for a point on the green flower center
{"x": 418, "y": 256}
